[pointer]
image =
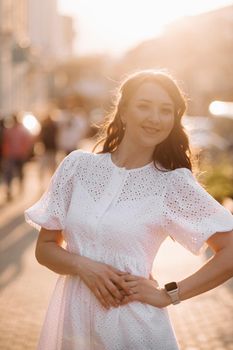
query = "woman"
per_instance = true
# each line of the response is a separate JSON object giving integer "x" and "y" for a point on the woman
{"x": 113, "y": 209}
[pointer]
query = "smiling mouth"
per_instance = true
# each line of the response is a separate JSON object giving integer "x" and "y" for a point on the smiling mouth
{"x": 151, "y": 130}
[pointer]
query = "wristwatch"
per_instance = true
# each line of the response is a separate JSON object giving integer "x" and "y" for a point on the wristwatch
{"x": 172, "y": 290}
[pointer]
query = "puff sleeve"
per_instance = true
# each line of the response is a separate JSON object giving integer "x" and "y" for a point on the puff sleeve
{"x": 50, "y": 210}
{"x": 190, "y": 214}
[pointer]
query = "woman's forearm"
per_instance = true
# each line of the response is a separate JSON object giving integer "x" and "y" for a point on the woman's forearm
{"x": 216, "y": 271}
{"x": 57, "y": 259}
{"x": 104, "y": 281}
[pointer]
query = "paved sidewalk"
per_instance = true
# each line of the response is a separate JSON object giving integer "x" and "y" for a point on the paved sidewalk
{"x": 204, "y": 322}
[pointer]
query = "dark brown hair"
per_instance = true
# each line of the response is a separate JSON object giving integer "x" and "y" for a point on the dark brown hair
{"x": 173, "y": 152}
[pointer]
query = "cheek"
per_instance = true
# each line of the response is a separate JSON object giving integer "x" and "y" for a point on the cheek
{"x": 138, "y": 115}
{"x": 134, "y": 121}
{"x": 169, "y": 123}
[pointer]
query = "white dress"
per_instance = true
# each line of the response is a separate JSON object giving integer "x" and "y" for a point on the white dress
{"x": 119, "y": 217}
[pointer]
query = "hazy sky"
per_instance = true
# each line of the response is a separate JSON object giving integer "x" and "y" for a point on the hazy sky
{"x": 113, "y": 26}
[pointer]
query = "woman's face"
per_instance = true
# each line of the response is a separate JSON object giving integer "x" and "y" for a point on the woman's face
{"x": 149, "y": 115}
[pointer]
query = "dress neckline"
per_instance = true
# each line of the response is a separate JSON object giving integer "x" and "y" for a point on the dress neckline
{"x": 109, "y": 154}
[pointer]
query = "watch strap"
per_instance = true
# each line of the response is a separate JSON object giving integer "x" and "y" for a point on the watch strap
{"x": 173, "y": 293}
{"x": 174, "y": 297}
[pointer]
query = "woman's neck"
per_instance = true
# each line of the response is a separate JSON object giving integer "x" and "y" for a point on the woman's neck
{"x": 123, "y": 156}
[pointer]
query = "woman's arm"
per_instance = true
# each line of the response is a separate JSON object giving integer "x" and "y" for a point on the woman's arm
{"x": 105, "y": 281}
{"x": 216, "y": 271}
{"x": 50, "y": 253}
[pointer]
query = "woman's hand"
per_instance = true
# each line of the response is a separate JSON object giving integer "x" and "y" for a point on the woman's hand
{"x": 105, "y": 281}
{"x": 146, "y": 291}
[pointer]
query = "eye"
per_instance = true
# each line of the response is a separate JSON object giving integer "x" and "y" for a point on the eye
{"x": 143, "y": 106}
{"x": 166, "y": 110}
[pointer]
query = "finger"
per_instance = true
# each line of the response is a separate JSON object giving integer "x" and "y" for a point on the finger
{"x": 131, "y": 284}
{"x": 100, "y": 298}
{"x": 121, "y": 284}
{"x": 108, "y": 298}
{"x": 112, "y": 288}
{"x": 123, "y": 293}
{"x": 134, "y": 290}
{"x": 153, "y": 279}
{"x": 129, "y": 278}
{"x": 119, "y": 272}
{"x": 129, "y": 298}
{"x": 125, "y": 300}
{"x": 156, "y": 282}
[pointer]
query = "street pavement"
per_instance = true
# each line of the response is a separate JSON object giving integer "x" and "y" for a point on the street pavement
{"x": 204, "y": 322}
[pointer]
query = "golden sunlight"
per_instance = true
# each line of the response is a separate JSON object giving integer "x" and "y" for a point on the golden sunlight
{"x": 115, "y": 26}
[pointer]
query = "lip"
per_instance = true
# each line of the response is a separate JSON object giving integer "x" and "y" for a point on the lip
{"x": 150, "y": 130}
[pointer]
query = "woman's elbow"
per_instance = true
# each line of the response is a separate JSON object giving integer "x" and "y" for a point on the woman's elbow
{"x": 42, "y": 251}
{"x": 222, "y": 244}
{"x": 46, "y": 241}
{"x": 39, "y": 253}
{"x": 230, "y": 258}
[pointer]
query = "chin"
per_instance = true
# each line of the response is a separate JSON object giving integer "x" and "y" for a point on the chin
{"x": 153, "y": 139}
{"x": 152, "y": 143}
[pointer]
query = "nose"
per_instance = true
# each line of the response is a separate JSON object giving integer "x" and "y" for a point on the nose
{"x": 154, "y": 117}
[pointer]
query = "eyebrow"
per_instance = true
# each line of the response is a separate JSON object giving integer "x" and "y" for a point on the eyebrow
{"x": 164, "y": 103}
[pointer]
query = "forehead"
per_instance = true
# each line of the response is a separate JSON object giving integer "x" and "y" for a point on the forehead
{"x": 153, "y": 92}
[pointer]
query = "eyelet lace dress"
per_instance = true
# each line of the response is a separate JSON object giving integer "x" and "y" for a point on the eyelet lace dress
{"x": 120, "y": 217}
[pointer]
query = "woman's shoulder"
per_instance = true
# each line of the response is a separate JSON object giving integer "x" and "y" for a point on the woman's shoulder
{"x": 181, "y": 177}
{"x": 72, "y": 160}
{"x": 82, "y": 157}
{"x": 78, "y": 155}
{"x": 180, "y": 173}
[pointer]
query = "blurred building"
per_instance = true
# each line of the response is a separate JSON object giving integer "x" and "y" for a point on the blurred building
{"x": 14, "y": 41}
{"x": 34, "y": 37}
{"x": 83, "y": 81}
{"x": 51, "y": 33}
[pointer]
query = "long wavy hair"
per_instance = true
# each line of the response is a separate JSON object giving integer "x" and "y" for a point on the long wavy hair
{"x": 173, "y": 152}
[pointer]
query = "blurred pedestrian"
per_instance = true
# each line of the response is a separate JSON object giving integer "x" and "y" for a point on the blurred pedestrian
{"x": 71, "y": 130}
{"x": 1, "y": 144}
{"x": 112, "y": 210}
{"x": 82, "y": 125}
{"x": 16, "y": 149}
{"x": 48, "y": 137}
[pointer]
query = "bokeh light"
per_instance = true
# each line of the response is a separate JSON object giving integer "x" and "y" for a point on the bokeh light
{"x": 220, "y": 108}
{"x": 31, "y": 123}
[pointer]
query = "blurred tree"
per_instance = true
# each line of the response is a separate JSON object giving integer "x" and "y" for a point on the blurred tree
{"x": 217, "y": 176}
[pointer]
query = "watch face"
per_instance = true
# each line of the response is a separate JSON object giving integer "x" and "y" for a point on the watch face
{"x": 171, "y": 286}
